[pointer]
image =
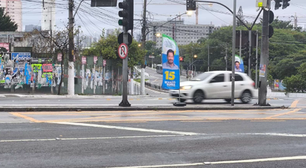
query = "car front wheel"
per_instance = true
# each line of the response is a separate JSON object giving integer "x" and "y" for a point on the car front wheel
{"x": 198, "y": 97}
{"x": 246, "y": 97}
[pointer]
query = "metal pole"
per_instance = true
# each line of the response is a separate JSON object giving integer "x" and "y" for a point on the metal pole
{"x": 226, "y": 58}
{"x": 71, "y": 50}
{"x": 256, "y": 67}
{"x": 208, "y": 60}
{"x": 250, "y": 53}
{"x": 240, "y": 43}
{"x": 103, "y": 80}
{"x": 125, "y": 102}
{"x": 233, "y": 53}
{"x": 264, "y": 60}
{"x": 154, "y": 34}
{"x": 143, "y": 31}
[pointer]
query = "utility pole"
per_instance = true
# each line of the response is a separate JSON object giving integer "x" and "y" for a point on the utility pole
{"x": 51, "y": 46}
{"x": 233, "y": 54}
{"x": 226, "y": 58}
{"x": 240, "y": 43}
{"x": 256, "y": 67}
{"x": 154, "y": 34}
{"x": 143, "y": 31}
{"x": 264, "y": 59}
{"x": 71, "y": 50}
{"x": 208, "y": 59}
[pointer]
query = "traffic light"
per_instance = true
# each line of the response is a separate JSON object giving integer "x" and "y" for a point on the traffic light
{"x": 181, "y": 59}
{"x": 285, "y": 3}
{"x": 277, "y": 4}
{"x": 127, "y": 14}
{"x": 190, "y": 5}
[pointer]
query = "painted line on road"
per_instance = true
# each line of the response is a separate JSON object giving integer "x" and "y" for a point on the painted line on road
{"x": 276, "y": 134}
{"x": 294, "y": 104}
{"x": 25, "y": 117}
{"x": 87, "y": 138}
{"x": 222, "y": 162}
{"x": 128, "y": 128}
{"x": 281, "y": 114}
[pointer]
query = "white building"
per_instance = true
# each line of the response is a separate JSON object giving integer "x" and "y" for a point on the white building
{"x": 182, "y": 33}
{"x": 13, "y": 8}
{"x": 48, "y": 15}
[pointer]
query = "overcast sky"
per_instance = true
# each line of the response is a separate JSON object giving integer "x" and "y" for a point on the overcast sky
{"x": 93, "y": 20}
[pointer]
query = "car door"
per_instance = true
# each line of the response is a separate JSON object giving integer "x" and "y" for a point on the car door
{"x": 239, "y": 84}
{"x": 216, "y": 86}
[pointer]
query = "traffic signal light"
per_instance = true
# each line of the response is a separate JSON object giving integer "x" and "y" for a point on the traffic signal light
{"x": 285, "y": 3}
{"x": 277, "y": 4}
{"x": 190, "y": 5}
{"x": 181, "y": 59}
{"x": 127, "y": 14}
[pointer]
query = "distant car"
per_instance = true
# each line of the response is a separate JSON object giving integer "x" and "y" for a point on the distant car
{"x": 216, "y": 85}
{"x": 159, "y": 68}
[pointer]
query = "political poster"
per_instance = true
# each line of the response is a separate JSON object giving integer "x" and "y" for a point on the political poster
{"x": 170, "y": 64}
{"x": 239, "y": 66}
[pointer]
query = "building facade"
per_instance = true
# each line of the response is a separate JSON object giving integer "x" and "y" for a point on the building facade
{"x": 182, "y": 33}
{"x": 13, "y": 8}
{"x": 48, "y": 15}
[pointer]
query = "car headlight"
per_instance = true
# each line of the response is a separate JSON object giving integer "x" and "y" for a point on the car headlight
{"x": 186, "y": 87}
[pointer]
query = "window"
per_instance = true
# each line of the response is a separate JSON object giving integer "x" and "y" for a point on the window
{"x": 218, "y": 78}
{"x": 237, "y": 77}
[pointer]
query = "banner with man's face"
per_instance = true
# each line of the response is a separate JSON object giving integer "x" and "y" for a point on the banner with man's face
{"x": 239, "y": 66}
{"x": 170, "y": 64}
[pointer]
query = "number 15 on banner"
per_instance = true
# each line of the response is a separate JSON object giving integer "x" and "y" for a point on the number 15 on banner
{"x": 170, "y": 75}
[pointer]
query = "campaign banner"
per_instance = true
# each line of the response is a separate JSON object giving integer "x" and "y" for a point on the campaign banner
{"x": 21, "y": 56}
{"x": 170, "y": 64}
{"x": 239, "y": 66}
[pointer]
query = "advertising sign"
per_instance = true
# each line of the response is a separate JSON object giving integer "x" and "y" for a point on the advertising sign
{"x": 59, "y": 57}
{"x": 83, "y": 60}
{"x": 95, "y": 59}
{"x": 170, "y": 64}
{"x": 6, "y": 46}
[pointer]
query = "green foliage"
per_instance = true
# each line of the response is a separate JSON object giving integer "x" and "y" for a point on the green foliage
{"x": 6, "y": 24}
{"x": 107, "y": 47}
{"x": 296, "y": 83}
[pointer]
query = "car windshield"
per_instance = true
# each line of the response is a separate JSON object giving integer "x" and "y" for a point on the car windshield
{"x": 201, "y": 77}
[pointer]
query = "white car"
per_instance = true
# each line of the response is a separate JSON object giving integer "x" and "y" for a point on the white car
{"x": 216, "y": 85}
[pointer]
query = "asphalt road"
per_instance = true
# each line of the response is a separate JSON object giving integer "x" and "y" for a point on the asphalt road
{"x": 241, "y": 138}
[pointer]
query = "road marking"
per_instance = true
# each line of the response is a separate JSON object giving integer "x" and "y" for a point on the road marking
{"x": 25, "y": 117}
{"x": 281, "y": 114}
{"x": 276, "y": 134}
{"x": 128, "y": 128}
{"x": 294, "y": 104}
{"x": 222, "y": 162}
{"x": 88, "y": 138}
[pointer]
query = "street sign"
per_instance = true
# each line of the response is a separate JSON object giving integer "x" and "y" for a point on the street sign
{"x": 151, "y": 56}
{"x": 120, "y": 39}
{"x": 123, "y": 51}
{"x": 83, "y": 60}
{"x": 21, "y": 56}
{"x": 104, "y": 62}
{"x": 103, "y": 3}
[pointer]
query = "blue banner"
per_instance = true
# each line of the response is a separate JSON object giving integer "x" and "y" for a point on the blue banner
{"x": 21, "y": 55}
{"x": 170, "y": 64}
{"x": 239, "y": 66}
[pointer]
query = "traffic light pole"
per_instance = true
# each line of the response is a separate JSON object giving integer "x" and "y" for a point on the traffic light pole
{"x": 71, "y": 50}
{"x": 125, "y": 102}
{"x": 143, "y": 31}
{"x": 264, "y": 59}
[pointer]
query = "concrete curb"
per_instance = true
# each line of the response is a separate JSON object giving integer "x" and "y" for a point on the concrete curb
{"x": 136, "y": 108}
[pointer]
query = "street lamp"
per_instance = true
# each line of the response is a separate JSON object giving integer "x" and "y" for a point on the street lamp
{"x": 195, "y": 56}
{"x": 158, "y": 35}
{"x": 139, "y": 45}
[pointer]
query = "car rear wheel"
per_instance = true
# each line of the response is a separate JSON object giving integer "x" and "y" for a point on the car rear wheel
{"x": 246, "y": 97}
{"x": 181, "y": 100}
{"x": 198, "y": 97}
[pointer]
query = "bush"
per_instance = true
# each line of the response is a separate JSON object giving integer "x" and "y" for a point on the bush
{"x": 295, "y": 83}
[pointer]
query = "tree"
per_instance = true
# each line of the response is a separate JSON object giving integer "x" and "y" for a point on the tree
{"x": 6, "y": 24}
{"x": 61, "y": 40}
{"x": 240, "y": 16}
